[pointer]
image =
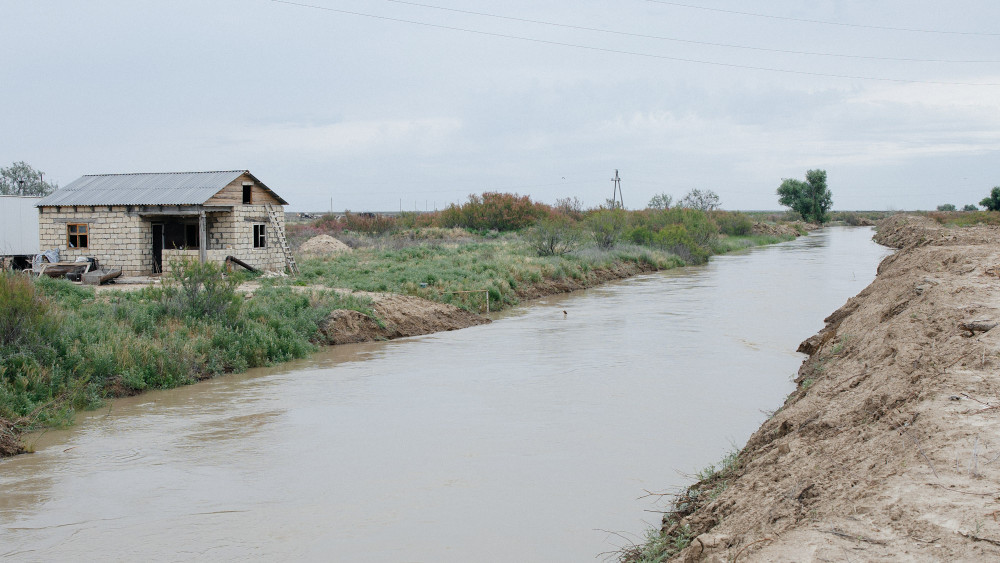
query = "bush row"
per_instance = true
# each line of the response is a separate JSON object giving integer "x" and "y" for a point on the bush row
{"x": 555, "y": 230}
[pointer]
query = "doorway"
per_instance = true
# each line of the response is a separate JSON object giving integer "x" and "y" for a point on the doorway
{"x": 157, "y": 248}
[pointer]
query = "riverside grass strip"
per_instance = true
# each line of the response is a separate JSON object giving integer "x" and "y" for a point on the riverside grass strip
{"x": 71, "y": 348}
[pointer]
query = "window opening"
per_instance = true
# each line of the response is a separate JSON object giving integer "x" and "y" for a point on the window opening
{"x": 191, "y": 236}
{"x": 259, "y": 236}
{"x": 77, "y": 235}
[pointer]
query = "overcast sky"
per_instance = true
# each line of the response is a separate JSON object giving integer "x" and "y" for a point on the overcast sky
{"x": 379, "y": 104}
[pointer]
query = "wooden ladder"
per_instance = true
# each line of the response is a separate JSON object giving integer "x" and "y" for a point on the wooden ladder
{"x": 289, "y": 259}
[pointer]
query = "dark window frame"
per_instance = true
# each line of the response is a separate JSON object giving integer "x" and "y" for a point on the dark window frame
{"x": 192, "y": 238}
{"x": 247, "y": 195}
{"x": 260, "y": 235}
{"x": 78, "y": 235}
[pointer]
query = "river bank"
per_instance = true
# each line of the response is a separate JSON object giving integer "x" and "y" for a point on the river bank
{"x": 74, "y": 347}
{"x": 443, "y": 447}
{"x": 887, "y": 449}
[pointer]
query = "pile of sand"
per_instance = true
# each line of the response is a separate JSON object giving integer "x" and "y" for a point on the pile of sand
{"x": 323, "y": 244}
{"x": 780, "y": 229}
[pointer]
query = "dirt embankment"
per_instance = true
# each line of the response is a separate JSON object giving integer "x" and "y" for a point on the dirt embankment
{"x": 597, "y": 276}
{"x": 889, "y": 449}
{"x": 10, "y": 439}
{"x": 794, "y": 229}
{"x": 398, "y": 316}
{"x": 403, "y": 315}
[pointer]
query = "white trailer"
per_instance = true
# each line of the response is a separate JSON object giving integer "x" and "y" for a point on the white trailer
{"x": 18, "y": 228}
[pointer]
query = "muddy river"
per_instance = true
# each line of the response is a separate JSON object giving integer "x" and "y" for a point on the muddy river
{"x": 530, "y": 439}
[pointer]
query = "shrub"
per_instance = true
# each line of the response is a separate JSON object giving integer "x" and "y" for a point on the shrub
{"x": 946, "y": 207}
{"x": 369, "y": 223}
{"x": 329, "y": 224}
{"x": 495, "y": 211}
{"x": 642, "y": 235}
{"x": 851, "y": 218}
{"x": 678, "y": 240}
{"x": 199, "y": 290}
{"x": 418, "y": 220}
{"x": 24, "y": 313}
{"x": 733, "y": 223}
{"x": 606, "y": 226}
{"x": 554, "y": 236}
{"x": 570, "y": 207}
{"x": 966, "y": 219}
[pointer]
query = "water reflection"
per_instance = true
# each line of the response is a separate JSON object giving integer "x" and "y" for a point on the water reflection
{"x": 510, "y": 441}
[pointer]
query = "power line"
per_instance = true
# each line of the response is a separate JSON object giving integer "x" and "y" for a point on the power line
{"x": 689, "y": 41}
{"x": 635, "y": 53}
{"x": 825, "y": 22}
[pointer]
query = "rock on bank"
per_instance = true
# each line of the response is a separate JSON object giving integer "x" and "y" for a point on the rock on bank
{"x": 889, "y": 448}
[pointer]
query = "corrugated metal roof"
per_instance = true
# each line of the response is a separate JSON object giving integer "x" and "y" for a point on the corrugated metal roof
{"x": 163, "y": 188}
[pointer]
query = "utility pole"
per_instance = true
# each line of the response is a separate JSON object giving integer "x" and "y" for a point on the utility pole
{"x": 617, "y": 200}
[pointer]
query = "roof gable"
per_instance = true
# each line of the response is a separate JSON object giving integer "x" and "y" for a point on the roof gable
{"x": 160, "y": 188}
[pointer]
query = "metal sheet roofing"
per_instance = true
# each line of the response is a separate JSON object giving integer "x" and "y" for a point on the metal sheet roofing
{"x": 161, "y": 188}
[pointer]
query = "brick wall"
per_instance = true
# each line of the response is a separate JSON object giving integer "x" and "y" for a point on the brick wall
{"x": 234, "y": 234}
{"x": 122, "y": 239}
{"x": 116, "y": 238}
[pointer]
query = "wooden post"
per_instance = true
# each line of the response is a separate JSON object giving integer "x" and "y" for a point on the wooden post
{"x": 202, "y": 237}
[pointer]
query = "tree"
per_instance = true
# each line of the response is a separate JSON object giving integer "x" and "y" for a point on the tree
{"x": 946, "y": 207}
{"x": 970, "y": 207}
{"x": 21, "y": 179}
{"x": 701, "y": 200}
{"x": 660, "y": 201}
{"x": 992, "y": 203}
{"x": 811, "y": 199}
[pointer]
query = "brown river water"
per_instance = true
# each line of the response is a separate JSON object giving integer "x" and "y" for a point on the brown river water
{"x": 529, "y": 439}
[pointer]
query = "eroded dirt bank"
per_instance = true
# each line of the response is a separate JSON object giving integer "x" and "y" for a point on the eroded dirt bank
{"x": 400, "y": 316}
{"x": 404, "y": 315}
{"x": 889, "y": 449}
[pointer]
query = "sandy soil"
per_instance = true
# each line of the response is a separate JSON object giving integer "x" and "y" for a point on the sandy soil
{"x": 323, "y": 245}
{"x": 401, "y": 315}
{"x": 888, "y": 450}
{"x": 783, "y": 229}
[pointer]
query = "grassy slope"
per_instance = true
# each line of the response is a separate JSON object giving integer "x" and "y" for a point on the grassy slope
{"x": 86, "y": 347}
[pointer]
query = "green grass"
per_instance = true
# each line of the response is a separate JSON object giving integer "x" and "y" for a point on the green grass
{"x": 86, "y": 348}
{"x": 63, "y": 347}
{"x": 437, "y": 271}
{"x": 670, "y": 539}
{"x": 965, "y": 218}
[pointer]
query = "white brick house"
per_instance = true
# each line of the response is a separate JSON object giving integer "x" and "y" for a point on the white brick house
{"x": 141, "y": 222}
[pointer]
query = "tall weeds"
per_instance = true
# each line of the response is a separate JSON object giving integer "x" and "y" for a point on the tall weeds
{"x": 66, "y": 348}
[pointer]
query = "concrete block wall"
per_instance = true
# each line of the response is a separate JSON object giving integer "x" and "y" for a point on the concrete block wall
{"x": 122, "y": 239}
{"x": 233, "y": 233}
{"x": 170, "y": 257}
{"x": 115, "y": 238}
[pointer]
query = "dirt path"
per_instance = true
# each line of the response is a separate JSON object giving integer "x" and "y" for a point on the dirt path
{"x": 889, "y": 450}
